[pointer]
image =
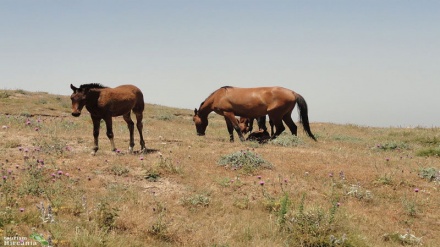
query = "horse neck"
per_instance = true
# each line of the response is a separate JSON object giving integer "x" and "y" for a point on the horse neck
{"x": 205, "y": 108}
{"x": 93, "y": 96}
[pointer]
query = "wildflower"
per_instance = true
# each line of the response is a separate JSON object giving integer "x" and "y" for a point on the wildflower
{"x": 20, "y": 148}
{"x": 67, "y": 174}
{"x": 22, "y": 210}
{"x": 387, "y": 159}
{"x": 9, "y": 172}
{"x": 141, "y": 158}
{"x": 259, "y": 177}
{"x": 37, "y": 129}
{"x": 330, "y": 174}
{"x": 5, "y": 177}
{"x": 416, "y": 190}
{"x": 338, "y": 204}
{"x": 261, "y": 183}
{"x": 17, "y": 166}
{"x": 60, "y": 172}
{"x": 285, "y": 180}
{"x": 53, "y": 175}
{"x": 28, "y": 122}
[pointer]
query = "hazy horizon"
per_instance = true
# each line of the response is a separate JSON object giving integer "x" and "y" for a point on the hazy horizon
{"x": 371, "y": 63}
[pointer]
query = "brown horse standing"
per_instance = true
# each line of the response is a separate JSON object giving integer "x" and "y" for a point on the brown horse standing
{"x": 105, "y": 103}
{"x": 277, "y": 102}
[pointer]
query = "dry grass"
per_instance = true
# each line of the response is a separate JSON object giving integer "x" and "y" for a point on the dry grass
{"x": 356, "y": 186}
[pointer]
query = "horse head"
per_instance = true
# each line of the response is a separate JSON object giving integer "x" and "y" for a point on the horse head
{"x": 245, "y": 125}
{"x": 201, "y": 123}
{"x": 78, "y": 98}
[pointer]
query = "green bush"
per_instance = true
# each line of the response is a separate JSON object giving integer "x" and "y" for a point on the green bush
{"x": 429, "y": 174}
{"x": 429, "y": 152}
{"x": 287, "y": 141}
{"x": 245, "y": 160}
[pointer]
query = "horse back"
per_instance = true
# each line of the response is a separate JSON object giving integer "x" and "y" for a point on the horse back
{"x": 122, "y": 99}
{"x": 255, "y": 101}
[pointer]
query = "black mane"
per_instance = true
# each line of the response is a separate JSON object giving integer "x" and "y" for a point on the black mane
{"x": 92, "y": 85}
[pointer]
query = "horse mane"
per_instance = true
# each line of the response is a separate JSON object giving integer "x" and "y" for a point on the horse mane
{"x": 92, "y": 85}
{"x": 224, "y": 87}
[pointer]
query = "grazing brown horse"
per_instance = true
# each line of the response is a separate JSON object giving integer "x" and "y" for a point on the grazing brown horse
{"x": 105, "y": 103}
{"x": 277, "y": 102}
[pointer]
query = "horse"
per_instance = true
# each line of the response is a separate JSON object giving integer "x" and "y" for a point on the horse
{"x": 104, "y": 103}
{"x": 247, "y": 124}
{"x": 277, "y": 102}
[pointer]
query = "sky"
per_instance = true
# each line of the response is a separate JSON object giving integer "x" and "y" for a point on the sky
{"x": 364, "y": 62}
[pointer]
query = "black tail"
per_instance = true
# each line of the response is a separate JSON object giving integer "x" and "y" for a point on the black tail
{"x": 303, "y": 115}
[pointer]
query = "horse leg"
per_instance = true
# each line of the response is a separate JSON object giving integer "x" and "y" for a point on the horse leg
{"x": 262, "y": 123}
{"x": 230, "y": 129}
{"x": 251, "y": 125}
{"x": 279, "y": 127}
{"x": 96, "y": 124}
{"x": 109, "y": 125}
{"x": 139, "y": 125}
{"x": 130, "y": 125}
{"x": 271, "y": 127}
{"x": 231, "y": 117}
{"x": 292, "y": 126}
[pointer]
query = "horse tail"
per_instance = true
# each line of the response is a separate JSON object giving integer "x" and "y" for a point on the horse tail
{"x": 303, "y": 115}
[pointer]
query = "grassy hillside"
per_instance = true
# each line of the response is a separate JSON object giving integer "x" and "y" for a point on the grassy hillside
{"x": 356, "y": 186}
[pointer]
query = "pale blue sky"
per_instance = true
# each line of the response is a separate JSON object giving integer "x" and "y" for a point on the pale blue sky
{"x": 369, "y": 62}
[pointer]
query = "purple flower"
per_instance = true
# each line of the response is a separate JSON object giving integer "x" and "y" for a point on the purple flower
{"x": 5, "y": 177}
{"x": 22, "y": 210}
{"x": 60, "y": 172}
{"x": 67, "y": 174}
{"x": 261, "y": 183}
{"x": 37, "y": 129}
{"x": 141, "y": 158}
{"x": 338, "y": 204}
{"x": 387, "y": 159}
{"x": 416, "y": 190}
{"x": 259, "y": 177}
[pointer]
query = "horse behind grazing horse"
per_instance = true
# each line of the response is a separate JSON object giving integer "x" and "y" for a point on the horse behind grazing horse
{"x": 277, "y": 102}
{"x": 105, "y": 103}
{"x": 247, "y": 124}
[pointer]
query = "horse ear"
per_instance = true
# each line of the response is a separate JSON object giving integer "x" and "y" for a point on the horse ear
{"x": 195, "y": 111}
{"x": 73, "y": 88}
